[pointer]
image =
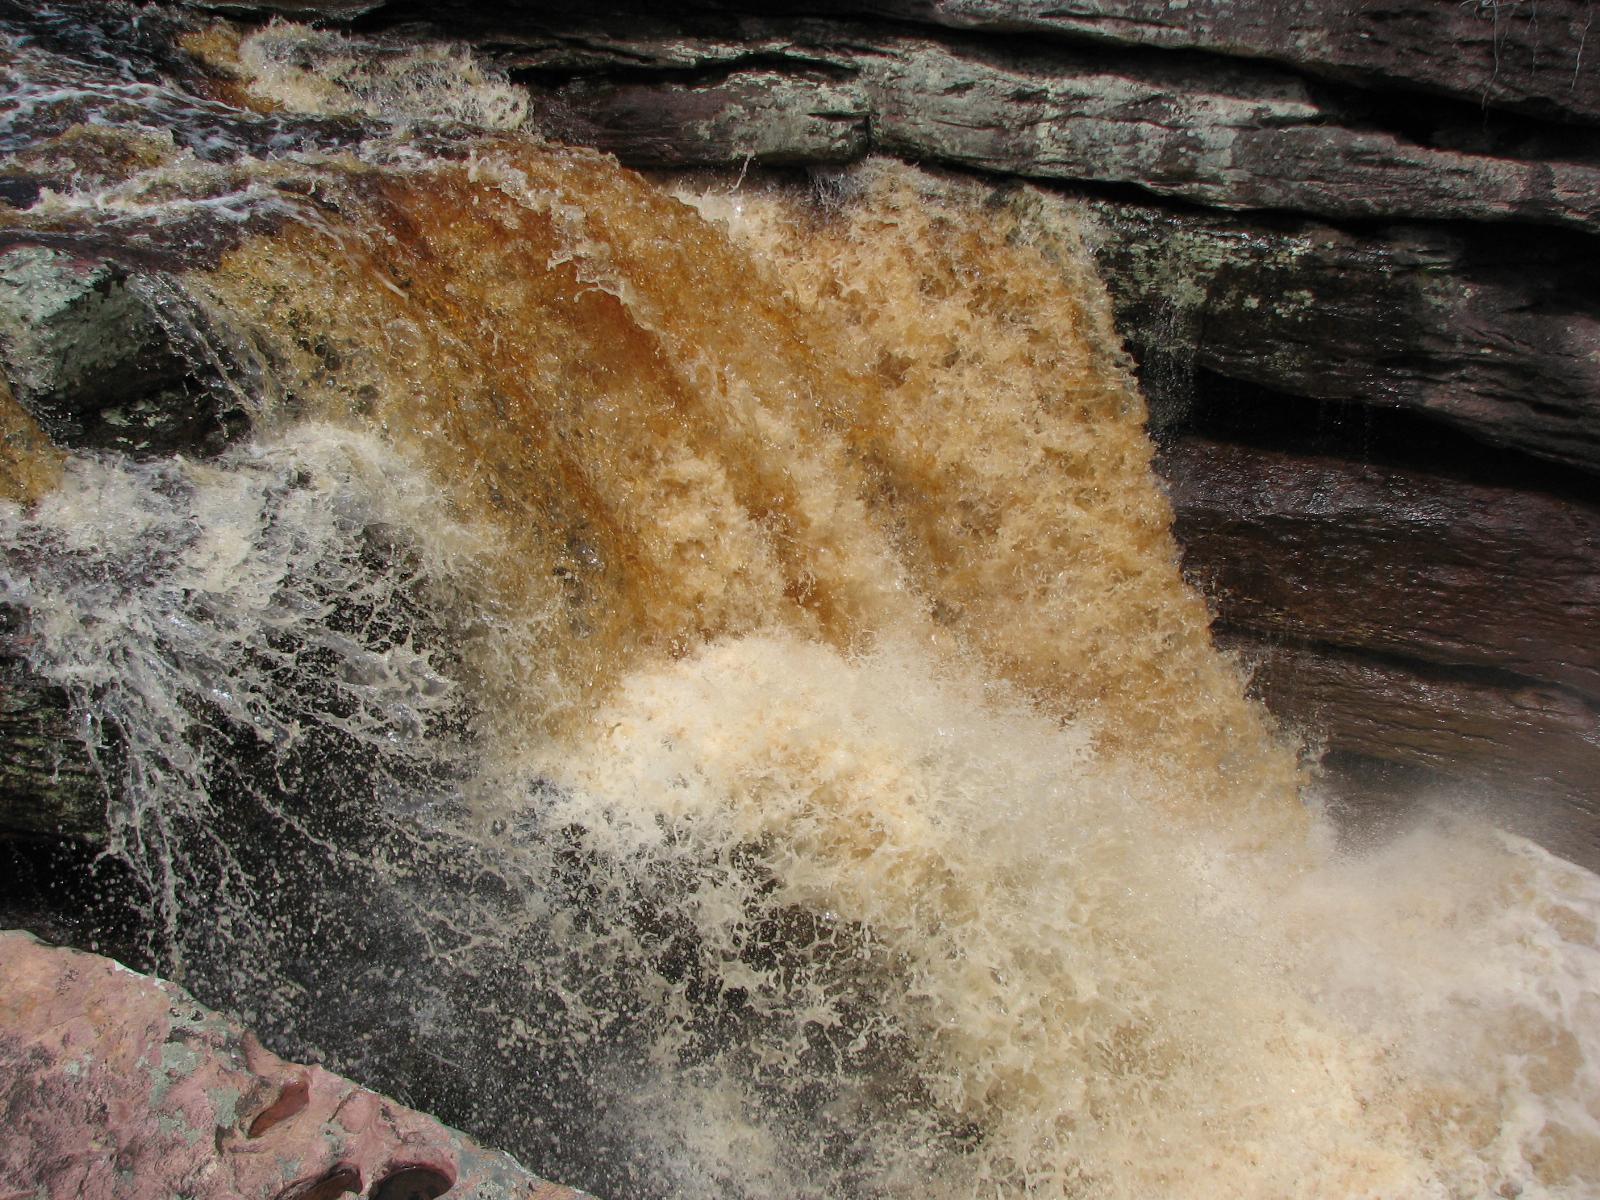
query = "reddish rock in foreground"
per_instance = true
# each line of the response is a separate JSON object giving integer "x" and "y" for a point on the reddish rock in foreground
{"x": 117, "y": 1085}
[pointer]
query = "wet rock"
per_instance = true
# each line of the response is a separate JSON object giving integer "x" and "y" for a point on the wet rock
{"x": 1391, "y": 562}
{"x": 107, "y": 358}
{"x": 114, "y": 1084}
{"x": 1404, "y": 618}
{"x": 1526, "y": 753}
{"x": 1494, "y": 334}
{"x": 48, "y": 784}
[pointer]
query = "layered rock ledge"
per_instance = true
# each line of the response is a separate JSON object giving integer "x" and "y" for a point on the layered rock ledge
{"x": 1395, "y": 616}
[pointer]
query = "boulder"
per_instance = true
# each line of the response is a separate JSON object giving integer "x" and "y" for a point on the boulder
{"x": 105, "y": 357}
{"x": 118, "y": 1085}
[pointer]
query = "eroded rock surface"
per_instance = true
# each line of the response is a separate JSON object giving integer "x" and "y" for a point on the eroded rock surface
{"x": 1436, "y": 624}
{"x": 118, "y": 1085}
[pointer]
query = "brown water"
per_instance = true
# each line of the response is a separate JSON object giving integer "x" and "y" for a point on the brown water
{"x": 895, "y": 827}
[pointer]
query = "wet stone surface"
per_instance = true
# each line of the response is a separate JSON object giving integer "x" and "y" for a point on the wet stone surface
{"x": 121, "y": 1085}
{"x": 108, "y": 359}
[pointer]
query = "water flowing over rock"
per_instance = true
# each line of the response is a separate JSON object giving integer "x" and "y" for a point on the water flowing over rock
{"x": 689, "y": 677}
{"x": 1385, "y": 209}
{"x": 107, "y": 360}
{"x": 1493, "y": 334}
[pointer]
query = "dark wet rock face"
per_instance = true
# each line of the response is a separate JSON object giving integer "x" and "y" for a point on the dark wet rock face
{"x": 1304, "y": 547}
{"x": 1393, "y": 615}
{"x": 107, "y": 359}
{"x": 803, "y": 116}
{"x": 48, "y": 785}
{"x": 1522, "y": 57}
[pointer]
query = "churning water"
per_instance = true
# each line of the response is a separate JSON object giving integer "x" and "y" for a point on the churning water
{"x": 689, "y": 678}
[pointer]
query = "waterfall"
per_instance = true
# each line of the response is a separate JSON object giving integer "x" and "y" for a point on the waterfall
{"x": 689, "y": 678}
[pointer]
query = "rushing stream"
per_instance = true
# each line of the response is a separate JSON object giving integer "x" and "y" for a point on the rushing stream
{"x": 689, "y": 678}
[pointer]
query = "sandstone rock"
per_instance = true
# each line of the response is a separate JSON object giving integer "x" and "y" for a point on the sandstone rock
{"x": 117, "y": 1085}
{"x": 107, "y": 358}
{"x": 1534, "y": 58}
{"x": 1391, "y": 562}
{"x": 1211, "y": 134}
{"x": 1526, "y": 754}
{"x": 1494, "y": 334}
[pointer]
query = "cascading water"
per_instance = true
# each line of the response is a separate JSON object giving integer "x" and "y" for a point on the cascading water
{"x": 690, "y": 680}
